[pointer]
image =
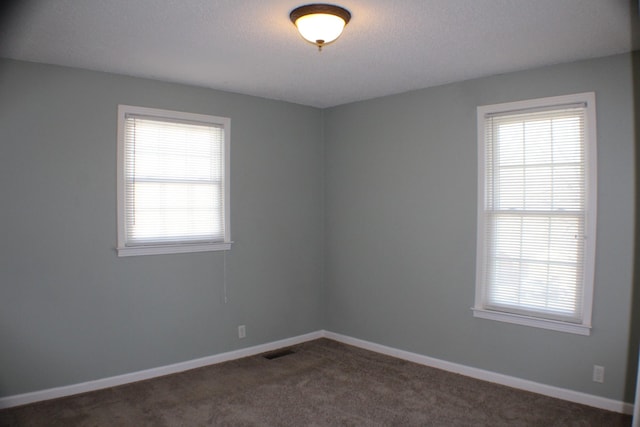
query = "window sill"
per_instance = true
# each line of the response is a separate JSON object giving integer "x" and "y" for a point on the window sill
{"x": 172, "y": 249}
{"x": 554, "y": 325}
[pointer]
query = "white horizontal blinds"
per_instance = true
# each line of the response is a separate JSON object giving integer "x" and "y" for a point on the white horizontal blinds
{"x": 173, "y": 181}
{"x": 535, "y": 195}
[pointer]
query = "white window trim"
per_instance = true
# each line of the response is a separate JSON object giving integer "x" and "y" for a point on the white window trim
{"x": 121, "y": 248}
{"x": 479, "y": 310}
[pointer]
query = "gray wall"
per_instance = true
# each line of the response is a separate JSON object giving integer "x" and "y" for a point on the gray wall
{"x": 400, "y": 215}
{"x": 70, "y": 309}
{"x": 358, "y": 219}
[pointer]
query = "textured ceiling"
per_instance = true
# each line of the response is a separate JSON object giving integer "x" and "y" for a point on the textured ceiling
{"x": 251, "y": 47}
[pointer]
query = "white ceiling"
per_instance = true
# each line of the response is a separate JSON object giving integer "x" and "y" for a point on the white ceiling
{"x": 251, "y": 47}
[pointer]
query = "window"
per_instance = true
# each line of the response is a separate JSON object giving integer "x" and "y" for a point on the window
{"x": 173, "y": 182}
{"x": 537, "y": 212}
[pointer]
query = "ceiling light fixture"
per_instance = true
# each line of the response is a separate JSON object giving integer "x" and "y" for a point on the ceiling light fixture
{"x": 320, "y": 23}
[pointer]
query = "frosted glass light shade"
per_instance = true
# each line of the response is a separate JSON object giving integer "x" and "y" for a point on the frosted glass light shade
{"x": 320, "y": 24}
{"x": 320, "y": 28}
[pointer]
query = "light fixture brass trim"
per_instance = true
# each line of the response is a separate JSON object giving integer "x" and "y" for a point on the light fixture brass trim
{"x": 319, "y": 9}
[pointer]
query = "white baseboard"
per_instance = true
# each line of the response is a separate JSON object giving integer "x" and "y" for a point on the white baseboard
{"x": 481, "y": 374}
{"x": 52, "y": 393}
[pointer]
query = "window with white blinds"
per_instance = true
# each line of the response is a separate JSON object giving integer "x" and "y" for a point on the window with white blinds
{"x": 537, "y": 211}
{"x": 173, "y": 190}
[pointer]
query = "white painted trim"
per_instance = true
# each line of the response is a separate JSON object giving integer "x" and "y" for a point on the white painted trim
{"x": 518, "y": 319}
{"x": 481, "y": 374}
{"x": 173, "y": 249}
{"x": 52, "y": 393}
{"x": 636, "y": 406}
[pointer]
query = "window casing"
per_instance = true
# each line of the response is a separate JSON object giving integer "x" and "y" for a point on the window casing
{"x": 173, "y": 182}
{"x": 537, "y": 212}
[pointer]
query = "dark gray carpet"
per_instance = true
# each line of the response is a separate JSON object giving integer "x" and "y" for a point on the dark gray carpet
{"x": 324, "y": 383}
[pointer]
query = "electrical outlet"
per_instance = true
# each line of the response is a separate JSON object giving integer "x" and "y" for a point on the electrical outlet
{"x": 598, "y": 373}
{"x": 242, "y": 332}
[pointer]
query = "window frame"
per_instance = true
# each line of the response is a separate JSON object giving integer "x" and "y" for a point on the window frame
{"x": 123, "y": 249}
{"x": 480, "y": 308}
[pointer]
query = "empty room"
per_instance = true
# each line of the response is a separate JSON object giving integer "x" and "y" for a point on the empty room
{"x": 215, "y": 213}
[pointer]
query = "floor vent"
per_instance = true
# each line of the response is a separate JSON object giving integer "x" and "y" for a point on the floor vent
{"x": 279, "y": 353}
